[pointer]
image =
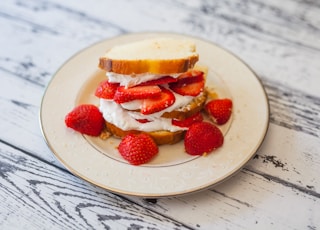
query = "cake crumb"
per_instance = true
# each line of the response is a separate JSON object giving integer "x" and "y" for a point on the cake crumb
{"x": 104, "y": 135}
{"x": 212, "y": 94}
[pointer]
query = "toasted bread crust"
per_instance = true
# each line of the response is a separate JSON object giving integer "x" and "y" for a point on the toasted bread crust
{"x": 129, "y": 67}
{"x": 161, "y": 137}
{"x": 193, "y": 107}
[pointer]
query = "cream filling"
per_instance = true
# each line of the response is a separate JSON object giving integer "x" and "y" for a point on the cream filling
{"x": 125, "y": 120}
{"x": 120, "y": 116}
{"x": 132, "y": 80}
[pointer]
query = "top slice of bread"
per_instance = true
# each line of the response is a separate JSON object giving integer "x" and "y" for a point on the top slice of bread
{"x": 157, "y": 56}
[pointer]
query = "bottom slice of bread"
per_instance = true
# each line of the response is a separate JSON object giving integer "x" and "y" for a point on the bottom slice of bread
{"x": 161, "y": 137}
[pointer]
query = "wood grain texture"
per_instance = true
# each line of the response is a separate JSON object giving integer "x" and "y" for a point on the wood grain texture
{"x": 261, "y": 204}
{"x": 32, "y": 189}
{"x": 294, "y": 109}
{"x": 278, "y": 39}
{"x": 65, "y": 201}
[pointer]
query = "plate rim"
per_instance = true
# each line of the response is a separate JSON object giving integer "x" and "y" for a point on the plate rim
{"x": 141, "y": 194}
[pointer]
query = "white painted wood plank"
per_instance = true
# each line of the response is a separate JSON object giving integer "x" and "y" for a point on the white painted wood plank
{"x": 289, "y": 156}
{"x": 35, "y": 195}
{"x": 258, "y": 202}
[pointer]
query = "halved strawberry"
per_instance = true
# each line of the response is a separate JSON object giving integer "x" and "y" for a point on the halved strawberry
{"x": 160, "y": 81}
{"x": 106, "y": 89}
{"x": 190, "y": 77}
{"x": 138, "y": 148}
{"x": 86, "y": 119}
{"x": 190, "y": 73}
{"x": 190, "y": 83}
{"x": 219, "y": 110}
{"x": 197, "y": 117}
{"x": 124, "y": 94}
{"x": 156, "y": 104}
{"x": 192, "y": 89}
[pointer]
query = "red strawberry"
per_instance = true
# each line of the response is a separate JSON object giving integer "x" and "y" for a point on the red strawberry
{"x": 197, "y": 117}
{"x": 143, "y": 120}
{"x": 106, "y": 89}
{"x": 202, "y": 138}
{"x": 124, "y": 94}
{"x": 190, "y": 77}
{"x": 160, "y": 81}
{"x": 86, "y": 119}
{"x": 192, "y": 89}
{"x": 219, "y": 110}
{"x": 190, "y": 73}
{"x": 138, "y": 148}
{"x": 156, "y": 104}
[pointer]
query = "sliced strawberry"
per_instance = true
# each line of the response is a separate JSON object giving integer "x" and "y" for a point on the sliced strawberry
{"x": 86, "y": 119}
{"x": 197, "y": 117}
{"x": 143, "y": 120}
{"x": 219, "y": 110}
{"x": 138, "y": 148}
{"x": 106, "y": 89}
{"x": 202, "y": 138}
{"x": 156, "y": 104}
{"x": 190, "y": 83}
{"x": 193, "y": 89}
{"x": 190, "y": 73}
{"x": 190, "y": 77}
{"x": 160, "y": 81}
{"x": 124, "y": 94}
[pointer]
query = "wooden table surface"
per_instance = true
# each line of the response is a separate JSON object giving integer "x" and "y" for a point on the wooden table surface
{"x": 278, "y": 189}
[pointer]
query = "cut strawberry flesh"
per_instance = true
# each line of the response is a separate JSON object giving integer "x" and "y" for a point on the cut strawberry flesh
{"x": 189, "y": 77}
{"x": 124, "y": 94}
{"x": 156, "y": 104}
{"x": 189, "y": 80}
{"x": 190, "y": 73}
{"x": 143, "y": 120}
{"x": 193, "y": 89}
{"x": 197, "y": 117}
{"x": 190, "y": 83}
{"x": 106, "y": 90}
{"x": 160, "y": 81}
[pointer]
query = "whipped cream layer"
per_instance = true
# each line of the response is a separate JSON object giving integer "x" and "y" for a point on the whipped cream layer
{"x": 132, "y": 80}
{"x": 124, "y": 115}
{"x": 126, "y": 120}
{"x": 180, "y": 101}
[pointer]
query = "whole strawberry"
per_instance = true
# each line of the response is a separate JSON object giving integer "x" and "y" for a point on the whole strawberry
{"x": 138, "y": 148}
{"x": 202, "y": 138}
{"x": 219, "y": 110}
{"x": 86, "y": 119}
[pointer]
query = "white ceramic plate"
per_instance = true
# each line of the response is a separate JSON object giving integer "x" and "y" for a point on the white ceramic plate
{"x": 172, "y": 172}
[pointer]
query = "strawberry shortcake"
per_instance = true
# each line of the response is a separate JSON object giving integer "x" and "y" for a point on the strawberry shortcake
{"x": 151, "y": 86}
